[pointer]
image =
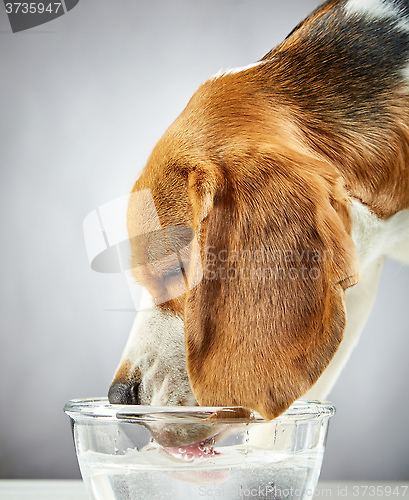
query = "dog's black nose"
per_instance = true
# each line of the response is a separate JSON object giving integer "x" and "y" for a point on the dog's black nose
{"x": 123, "y": 394}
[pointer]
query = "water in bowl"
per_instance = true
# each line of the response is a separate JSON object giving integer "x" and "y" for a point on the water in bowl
{"x": 236, "y": 472}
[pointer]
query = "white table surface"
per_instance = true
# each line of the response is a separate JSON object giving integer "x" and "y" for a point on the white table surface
{"x": 25, "y": 489}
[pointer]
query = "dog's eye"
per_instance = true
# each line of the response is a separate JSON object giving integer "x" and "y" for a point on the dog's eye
{"x": 172, "y": 273}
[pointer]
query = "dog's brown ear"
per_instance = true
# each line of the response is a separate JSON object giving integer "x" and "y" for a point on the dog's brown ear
{"x": 269, "y": 313}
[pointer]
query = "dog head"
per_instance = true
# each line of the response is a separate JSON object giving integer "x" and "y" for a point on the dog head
{"x": 242, "y": 237}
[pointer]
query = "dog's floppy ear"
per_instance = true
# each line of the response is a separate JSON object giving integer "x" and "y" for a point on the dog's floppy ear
{"x": 269, "y": 313}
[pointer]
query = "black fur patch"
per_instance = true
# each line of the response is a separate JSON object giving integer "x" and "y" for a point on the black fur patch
{"x": 352, "y": 59}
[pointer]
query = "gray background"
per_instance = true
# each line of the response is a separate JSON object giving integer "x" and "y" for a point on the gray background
{"x": 83, "y": 100}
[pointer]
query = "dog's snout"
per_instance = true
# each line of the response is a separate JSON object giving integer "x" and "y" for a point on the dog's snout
{"x": 125, "y": 394}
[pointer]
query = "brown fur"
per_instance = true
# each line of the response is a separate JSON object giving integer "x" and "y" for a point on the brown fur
{"x": 238, "y": 194}
{"x": 268, "y": 160}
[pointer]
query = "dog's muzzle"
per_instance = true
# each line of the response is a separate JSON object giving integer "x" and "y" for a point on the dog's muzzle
{"x": 124, "y": 394}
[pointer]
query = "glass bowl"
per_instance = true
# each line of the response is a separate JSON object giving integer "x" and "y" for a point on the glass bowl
{"x": 155, "y": 453}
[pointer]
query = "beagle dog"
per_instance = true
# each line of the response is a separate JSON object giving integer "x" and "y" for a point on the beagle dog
{"x": 267, "y": 209}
